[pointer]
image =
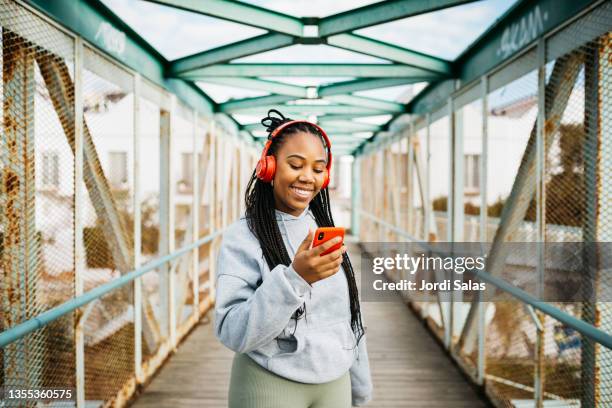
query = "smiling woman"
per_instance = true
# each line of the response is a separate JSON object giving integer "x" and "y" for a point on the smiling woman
{"x": 301, "y": 172}
{"x": 269, "y": 275}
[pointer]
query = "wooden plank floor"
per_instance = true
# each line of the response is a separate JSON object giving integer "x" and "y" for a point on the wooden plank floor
{"x": 409, "y": 369}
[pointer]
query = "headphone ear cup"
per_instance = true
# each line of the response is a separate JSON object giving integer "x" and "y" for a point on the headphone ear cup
{"x": 270, "y": 169}
{"x": 260, "y": 170}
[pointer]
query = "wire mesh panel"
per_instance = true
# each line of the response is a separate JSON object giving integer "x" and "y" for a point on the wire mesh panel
{"x": 108, "y": 224}
{"x": 439, "y": 176}
{"x": 150, "y": 222}
{"x": 36, "y": 197}
{"x": 511, "y": 341}
{"x": 469, "y": 122}
{"x": 577, "y": 190}
{"x": 511, "y": 132}
{"x": 183, "y": 186}
{"x": 204, "y": 143}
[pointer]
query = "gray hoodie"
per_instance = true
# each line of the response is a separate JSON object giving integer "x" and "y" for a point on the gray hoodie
{"x": 256, "y": 320}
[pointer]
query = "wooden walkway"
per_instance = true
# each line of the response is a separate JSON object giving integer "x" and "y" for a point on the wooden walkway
{"x": 409, "y": 368}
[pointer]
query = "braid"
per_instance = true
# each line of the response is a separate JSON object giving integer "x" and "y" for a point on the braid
{"x": 321, "y": 209}
{"x": 261, "y": 219}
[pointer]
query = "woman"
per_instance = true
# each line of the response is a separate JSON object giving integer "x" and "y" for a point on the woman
{"x": 291, "y": 315}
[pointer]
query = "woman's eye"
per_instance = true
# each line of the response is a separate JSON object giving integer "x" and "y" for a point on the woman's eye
{"x": 294, "y": 167}
{"x": 318, "y": 171}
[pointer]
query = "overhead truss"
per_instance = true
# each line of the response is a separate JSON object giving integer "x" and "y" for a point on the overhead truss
{"x": 404, "y": 66}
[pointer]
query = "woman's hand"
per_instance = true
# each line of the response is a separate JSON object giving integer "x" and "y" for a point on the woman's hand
{"x": 309, "y": 263}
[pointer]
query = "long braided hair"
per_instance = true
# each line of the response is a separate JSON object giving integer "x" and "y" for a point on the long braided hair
{"x": 261, "y": 217}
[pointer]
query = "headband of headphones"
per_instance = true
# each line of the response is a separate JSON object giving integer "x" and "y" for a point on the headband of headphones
{"x": 285, "y": 125}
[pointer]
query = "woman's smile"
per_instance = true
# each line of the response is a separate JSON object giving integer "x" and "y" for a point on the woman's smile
{"x": 301, "y": 193}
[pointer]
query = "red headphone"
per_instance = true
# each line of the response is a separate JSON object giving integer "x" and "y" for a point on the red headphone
{"x": 266, "y": 166}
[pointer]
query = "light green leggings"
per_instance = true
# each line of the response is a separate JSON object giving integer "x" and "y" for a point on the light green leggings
{"x": 252, "y": 386}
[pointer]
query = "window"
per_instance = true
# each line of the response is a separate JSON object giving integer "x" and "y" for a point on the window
{"x": 118, "y": 175}
{"x": 50, "y": 170}
{"x": 186, "y": 181}
{"x": 472, "y": 173}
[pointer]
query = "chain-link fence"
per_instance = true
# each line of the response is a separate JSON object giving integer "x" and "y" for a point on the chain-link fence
{"x": 36, "y": 198}
{"x": 525, "y": 157}
{"x": 148, "y": 161}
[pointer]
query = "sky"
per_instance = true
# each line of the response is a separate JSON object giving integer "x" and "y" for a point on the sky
{"x": 177, "y": 33}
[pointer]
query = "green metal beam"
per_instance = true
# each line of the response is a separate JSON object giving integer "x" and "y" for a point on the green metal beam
{"x": 379, "y": 49}
{"x": 88, "y": 18}
{"x": 348, "y": 126}
{"x": 356, "y": 85}
{"x": 307, "y": 110}
{"x": 309, "y": 70}
{"x": 391, "y": 107}
{"x": 341, "y": 136}
{"x": 381, "y": 12}
{"x": 267, "y": 101}
{"x": 510, "y": 35}
{"x": 225, "y": 53}
{"x": 273, "y": 87}
{"x": 240, "y": 13}
{"x": 344, "y": 117}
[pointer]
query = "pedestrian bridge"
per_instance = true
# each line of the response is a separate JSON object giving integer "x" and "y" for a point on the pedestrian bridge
{"x": 131, "y": 128}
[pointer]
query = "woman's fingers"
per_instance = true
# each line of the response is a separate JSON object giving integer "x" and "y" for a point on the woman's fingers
{"x": 331, "y": 257}
{"x": 318, "y": 250}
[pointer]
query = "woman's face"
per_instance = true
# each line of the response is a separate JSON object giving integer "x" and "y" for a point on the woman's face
{"x": 300, "y": 172}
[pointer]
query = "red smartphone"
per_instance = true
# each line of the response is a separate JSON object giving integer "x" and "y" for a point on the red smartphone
{"x": 324, "y": 234}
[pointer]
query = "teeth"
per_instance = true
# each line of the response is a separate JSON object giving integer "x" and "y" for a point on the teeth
{"x": 303, "y": 193}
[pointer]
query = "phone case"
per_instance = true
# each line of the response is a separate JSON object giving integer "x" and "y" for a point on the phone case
{"x": 324, "y": 234}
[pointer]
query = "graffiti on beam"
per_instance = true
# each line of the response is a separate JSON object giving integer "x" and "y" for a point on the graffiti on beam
{"x": 112, "y": 39}
{"x": 521, "y": 33}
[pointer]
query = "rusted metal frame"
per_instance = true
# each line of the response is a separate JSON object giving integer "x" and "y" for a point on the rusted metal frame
{"x": 384, "y": 162}
{"x": 431, "y": 229}
{"x": 212, "y": 197}
{"x": 21, "y": 255}
{"x": 195, "y": 216}
{"x": 409, "y": 178}
{"x": 225, "y": 173}
{"x": 78, "y": 243}
{"x": 172, "y": 321}
{"x": 539, "y": 363}
{"x": 137, "y": 231}
{"x": 60, "y": 86}
{"x": 458, "y": 221}
{"x": 183, "y": 269}
{"x": 165, "y": 226}
{"x": 450, "y": 217}
{"x": 58, "y": 81}
{"x": 205, "y": 184}
{"x": 397, "y": 168}
{"x": 565, "y": 70}
{"x": 597, "y": 153}
{"x": 484, "y": 158}
{"x": 154, "y": 364}
{"x": 421, "y": 183}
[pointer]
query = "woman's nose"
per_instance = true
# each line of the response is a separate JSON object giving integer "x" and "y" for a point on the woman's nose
{"x": 306, "y": 176}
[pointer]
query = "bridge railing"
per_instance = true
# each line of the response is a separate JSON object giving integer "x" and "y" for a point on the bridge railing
{"x": 105, "y": 172}
{"x": 522, "y": 154}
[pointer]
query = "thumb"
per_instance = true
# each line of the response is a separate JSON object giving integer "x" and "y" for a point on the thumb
{"x": 305, "y": 245}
